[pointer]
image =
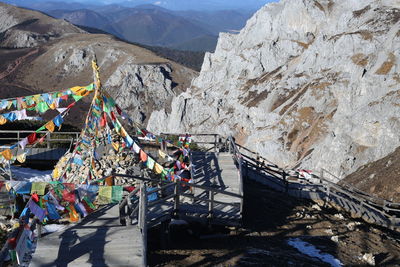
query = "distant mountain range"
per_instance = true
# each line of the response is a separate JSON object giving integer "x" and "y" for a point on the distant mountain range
{"x": 169, "y": 4}
{"x": 148, "y": 24}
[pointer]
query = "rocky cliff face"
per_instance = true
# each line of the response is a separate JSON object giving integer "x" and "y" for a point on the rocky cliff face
{"x": 314, "y": 84}
{"x": 48, "y": 54}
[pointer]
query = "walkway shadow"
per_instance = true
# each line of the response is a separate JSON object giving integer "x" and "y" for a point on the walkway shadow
{"x": 81, "y": 240}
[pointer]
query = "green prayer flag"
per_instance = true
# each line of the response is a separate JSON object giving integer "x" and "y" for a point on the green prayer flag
{"x": 111, "y": 102}
{"x": 41, "y": 202}
{"x": 42, "y": 107}
{"x": 150, "y": 163}
{"x": 105, "y": 195}
{"x": 77, "y": 97}
{"x": 90, "y": 87}
{"x": 116, "y": 194}
{"x": 106, "y": 109}
{"x": 41, "y": 129}
{"x": 90, "y": 204}
{"x": 38, "y": 188}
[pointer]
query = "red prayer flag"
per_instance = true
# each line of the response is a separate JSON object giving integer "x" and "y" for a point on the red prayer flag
{"x": 87, "y": 207}
{"x": 113, "y": 116}
{"x": 71, "y": 105}
{"x": 32, "y": 138}
{"x": 103, "y": 120}
{"x": 68, "y": 196}
{"x": 119, "y": 110}
{"x": 69, "y": 193}
{"x": 143, "y": 156}
{"x": 35, "y": 197}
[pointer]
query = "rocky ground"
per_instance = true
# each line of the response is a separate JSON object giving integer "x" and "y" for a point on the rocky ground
{"x": 379, "y": 178}
{"x": 271, "y": 220}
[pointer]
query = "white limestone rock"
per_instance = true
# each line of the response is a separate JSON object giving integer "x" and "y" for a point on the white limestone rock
{"x": 311, "y": 84}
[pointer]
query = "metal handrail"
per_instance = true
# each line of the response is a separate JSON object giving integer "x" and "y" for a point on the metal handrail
{"x": 347, "y": 192}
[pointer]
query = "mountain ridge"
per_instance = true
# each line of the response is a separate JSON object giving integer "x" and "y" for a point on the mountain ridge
{"x": 139, "y": 79}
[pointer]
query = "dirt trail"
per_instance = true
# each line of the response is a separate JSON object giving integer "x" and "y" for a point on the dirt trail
{"x": 14, "y": 65}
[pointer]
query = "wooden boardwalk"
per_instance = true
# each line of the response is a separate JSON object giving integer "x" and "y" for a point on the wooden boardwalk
{"x": 217, "y": 171}
{"x": 99, "y": 240}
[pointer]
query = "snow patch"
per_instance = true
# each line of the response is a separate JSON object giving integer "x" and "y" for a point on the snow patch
{"x": 30, "y": 175}
{"x": 52, "y": 228}
{"x": 309, "y": 250}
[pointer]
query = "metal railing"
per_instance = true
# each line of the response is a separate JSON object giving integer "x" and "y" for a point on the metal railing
{"x": 209, "y": 141}
{"x": 12, "y": 137}
{"x": 370, "y": 208}
{"x": 181, "y": 189}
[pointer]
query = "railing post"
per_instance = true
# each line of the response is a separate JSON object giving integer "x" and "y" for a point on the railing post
{"x": 286, "y": 182}
{"x": 177, "y": 197}
{"x": 215, "y": 143}
{"x": 39, "y": 229}
{"x": 143, "y": 221}
{"x": 48, "y": 139}
{"x": 210, "y": 204}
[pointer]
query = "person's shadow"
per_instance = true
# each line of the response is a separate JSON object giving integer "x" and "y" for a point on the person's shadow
{"x": 79, "y": 240}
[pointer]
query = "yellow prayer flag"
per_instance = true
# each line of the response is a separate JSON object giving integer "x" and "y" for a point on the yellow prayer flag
{"x": 7, "y": 154}
{"x": 38, "y": 188}
{"x": 123, "y": 132}
{"x": 105, "y": 195}
{"x": 158, "y": 168}
{"x": 2, "y": 120}
{"x": 115, "y": 146}
{"x": 56, "y": 173}
{"x": 80, "y": 91}
{"x": 162, "y": 154}
{"x": 53, "y": 105}
{"x": 36, "y": 98}
{"x": 21, "y": 158}
{"x": 50, "y": 126}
